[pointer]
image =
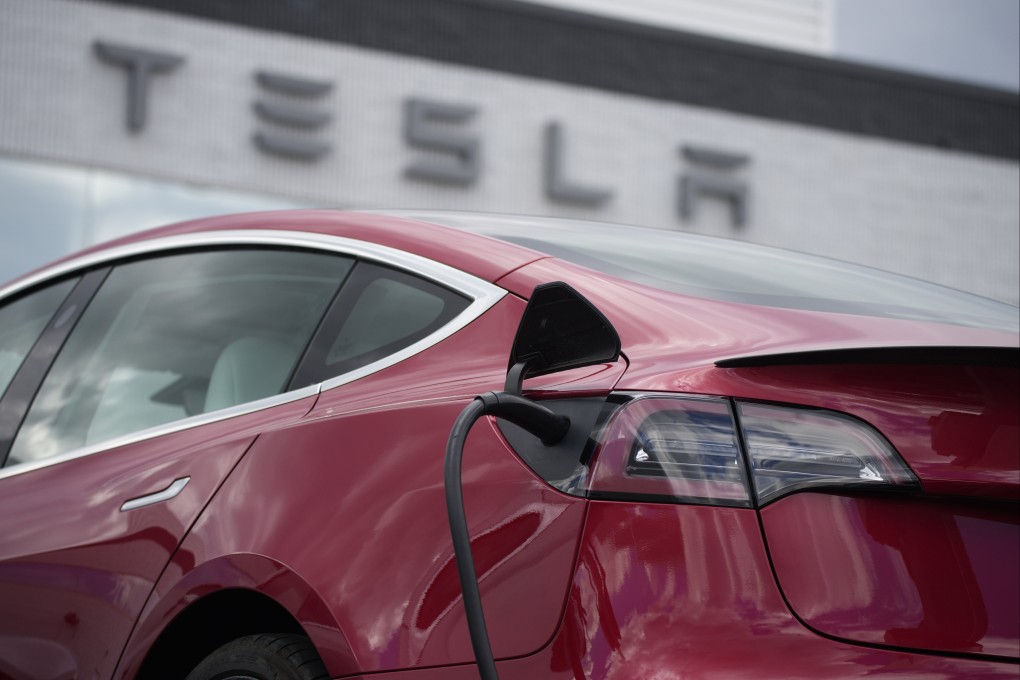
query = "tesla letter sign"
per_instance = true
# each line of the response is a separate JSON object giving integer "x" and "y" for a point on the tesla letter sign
{"x": 292, "y": 112}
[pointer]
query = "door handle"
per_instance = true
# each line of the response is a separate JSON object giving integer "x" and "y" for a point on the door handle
{"x": 166, "y": 494}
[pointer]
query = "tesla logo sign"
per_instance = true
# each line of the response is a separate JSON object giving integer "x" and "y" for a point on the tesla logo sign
{"x": 290, "y": 113}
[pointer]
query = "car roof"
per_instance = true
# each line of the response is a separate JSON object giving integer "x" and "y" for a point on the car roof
{"x": 651, "y": 321}
{"x": 486, "y": 258}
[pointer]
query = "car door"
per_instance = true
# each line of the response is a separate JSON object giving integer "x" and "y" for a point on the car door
{"x": 357, "y": 542}
{"x": 129, "y": 391}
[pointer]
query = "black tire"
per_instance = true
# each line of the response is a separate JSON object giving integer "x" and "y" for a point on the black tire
{"x": 263, "y": 657}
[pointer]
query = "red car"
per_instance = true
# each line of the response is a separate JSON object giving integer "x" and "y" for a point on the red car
{"x": 223, "y": 456}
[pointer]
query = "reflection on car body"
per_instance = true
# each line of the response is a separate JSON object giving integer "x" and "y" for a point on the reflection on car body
{"x": 796, "y": 468}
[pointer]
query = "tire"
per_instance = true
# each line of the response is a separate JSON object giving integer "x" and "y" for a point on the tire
{"x": 263, "y": 657}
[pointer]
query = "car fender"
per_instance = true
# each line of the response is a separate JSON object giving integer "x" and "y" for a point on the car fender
{"x": 193, "y": 575}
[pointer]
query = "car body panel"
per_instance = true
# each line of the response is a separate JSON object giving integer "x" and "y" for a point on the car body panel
{"x": 914, "y": 573}
{"x": 686, "y": 591}
{"x": 81, "y": 581}
{"x": 957, "y": 426}
{"x": 390, "y": 584}
{"x": 331, "y": 504}
{"x": 663, "y": 332}
{"x": 486, "y": 258}
{"x": 193, "y": 574}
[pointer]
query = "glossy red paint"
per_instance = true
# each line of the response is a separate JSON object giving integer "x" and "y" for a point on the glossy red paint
{"x": 686, "y": 592}
{"x": 390, "y": 582}
{"x": 193, "y": 575}
{"x": 485, "y": 258}
{"x": 957, "y": 426}
{"x": 77, "y": 586}
{"x": 663, "y": 333}
{"x": 332, "y": 507}
{"x": 910, "y": 572}
{"x": 389, "y": 586}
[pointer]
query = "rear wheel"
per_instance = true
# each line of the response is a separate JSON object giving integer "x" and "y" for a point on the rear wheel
{"x": 263, "y": 657}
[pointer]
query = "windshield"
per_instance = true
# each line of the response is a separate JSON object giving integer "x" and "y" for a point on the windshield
{"x": 734, "y": 271}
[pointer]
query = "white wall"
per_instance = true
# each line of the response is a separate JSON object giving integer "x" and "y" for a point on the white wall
{"x": 945, "y": 216}
{"x": 802, "y": 25}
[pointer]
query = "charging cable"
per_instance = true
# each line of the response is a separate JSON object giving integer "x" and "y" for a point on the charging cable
{"x": 539, "y": 421}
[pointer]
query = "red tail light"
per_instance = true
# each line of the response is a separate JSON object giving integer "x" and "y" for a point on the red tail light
{"x": 671, "y": 449}
{"x": 710, "y": 450}
{"x": 791, "y": 449}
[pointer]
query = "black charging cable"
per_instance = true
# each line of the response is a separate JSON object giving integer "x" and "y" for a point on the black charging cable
{"x": 539, "y": 421}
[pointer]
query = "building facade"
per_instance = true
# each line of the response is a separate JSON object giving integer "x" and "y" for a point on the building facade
{"x": 799, "y": 25}
{"x": 121, "y": 115}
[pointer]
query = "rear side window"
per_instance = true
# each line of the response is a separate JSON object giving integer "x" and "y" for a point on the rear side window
{"x": 733, "y": 271}
{"x": 22, "y": 322}
{"x": 380, "y": 312}
{"x": 176, "y": 336}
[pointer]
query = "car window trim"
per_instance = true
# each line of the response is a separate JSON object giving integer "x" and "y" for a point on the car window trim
{"x": 160, "y": 430}
{"x": 313, "y": 362}
{"x": 483, "y": 296}
{"x": 30, "y": 375}
{"x": 461, "y": 281}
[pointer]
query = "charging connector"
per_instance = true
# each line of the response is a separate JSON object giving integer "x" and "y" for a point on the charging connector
{"x": 550, "y": 428}
{"x": 559, "y": 330}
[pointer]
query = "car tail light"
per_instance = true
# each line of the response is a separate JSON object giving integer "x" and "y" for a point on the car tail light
{"x": 791, "y": 449}
{"x": 682, "y": 449}
{"x": 709, "y": 450}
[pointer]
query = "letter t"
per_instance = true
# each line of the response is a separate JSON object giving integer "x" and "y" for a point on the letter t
{"x": 140, "y": 65}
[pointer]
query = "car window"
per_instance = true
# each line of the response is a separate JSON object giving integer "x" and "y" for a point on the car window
{"x": 22, "y": 321}
{"x": 380, "y": 312}
{"x": 729, "y": 270}
{"x": 177, "y": 336}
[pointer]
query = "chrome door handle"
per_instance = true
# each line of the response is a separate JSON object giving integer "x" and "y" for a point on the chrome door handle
{"x": 158, "y": 497}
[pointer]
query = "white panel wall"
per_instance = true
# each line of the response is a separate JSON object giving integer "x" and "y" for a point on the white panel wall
{"x": 941, "y": 215}
{"x": 802, "y": 25}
